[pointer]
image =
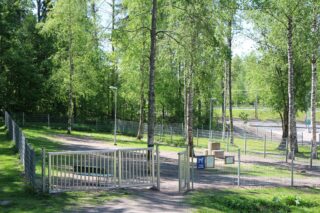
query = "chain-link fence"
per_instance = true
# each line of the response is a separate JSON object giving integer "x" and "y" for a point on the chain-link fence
{"x": 237, "y": 167}
{"x": 26, "y": 152}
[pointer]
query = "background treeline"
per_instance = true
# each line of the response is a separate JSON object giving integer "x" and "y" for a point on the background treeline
{"x": 60, "y": 57}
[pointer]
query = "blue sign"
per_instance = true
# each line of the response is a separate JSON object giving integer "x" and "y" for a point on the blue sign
{"x": 201, "y": 160}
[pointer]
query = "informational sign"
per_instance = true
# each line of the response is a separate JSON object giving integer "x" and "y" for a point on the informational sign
{"x": 210, "y": 161}
{"x": 229, "y": 159}
{"x": 201, "y": 160}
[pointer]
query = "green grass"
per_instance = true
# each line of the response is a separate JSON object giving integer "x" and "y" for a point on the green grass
{"x": 256, "y": 200}
{"x": 23, "y": 199}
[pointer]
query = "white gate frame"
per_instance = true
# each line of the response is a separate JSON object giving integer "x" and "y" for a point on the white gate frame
{"x": 103, "y": 169}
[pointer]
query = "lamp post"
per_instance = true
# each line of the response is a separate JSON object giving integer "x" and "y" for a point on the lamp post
{"x": 211, "y": 111}
{"x": 114, "y": 89}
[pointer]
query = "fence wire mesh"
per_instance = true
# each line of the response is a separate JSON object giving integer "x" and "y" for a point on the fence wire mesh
{"x": 26, "y": 152}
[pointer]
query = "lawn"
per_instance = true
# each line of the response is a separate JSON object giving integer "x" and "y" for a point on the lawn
{"x": 20, "y": 198}
{"x": 256, "y": 200}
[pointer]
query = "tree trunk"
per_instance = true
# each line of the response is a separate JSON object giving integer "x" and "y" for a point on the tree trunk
{"x": 224, "y": 105}
{"x": 151, "y": 106}
{"x": 199, "y": 111}
{"x": 185, "y": 104}
{"x": 285, "y": 127}
{"x": 71, "y": 73}
{"x": 291, "y": 92}
{"x": 314, "y": 79}
{"x": 190, "y": 115}
{"x": 39, "y": 6}
{"x": 230, "y": 78}
{"x": 142, "y": 102}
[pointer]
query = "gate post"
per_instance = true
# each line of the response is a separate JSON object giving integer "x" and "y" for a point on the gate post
{"x": 158, "y": 167}
{"x": 43, "y": 154}
{"x": 119, "y": 166}
{"x": 49, "y": 171}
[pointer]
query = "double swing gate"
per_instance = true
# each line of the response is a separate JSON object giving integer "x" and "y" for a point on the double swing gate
{"x": 103, "y": 169}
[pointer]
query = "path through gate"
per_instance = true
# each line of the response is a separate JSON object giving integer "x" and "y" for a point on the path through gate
{"x": 103, "y": 169}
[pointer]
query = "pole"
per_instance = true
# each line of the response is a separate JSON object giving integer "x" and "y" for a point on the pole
{"x": 245, "y": 143}
{"x": 311, "y": 149}
{"x": 292, "y": 159}
{"x": 43, "y": 154}
{"x": 302, "y": 138}
{"x": 158, "y": 167}
{"x": 179, "y": 170}
{"x": 210, "y": 119}
{"x": 171, "y": 134}
{"x": 286, "y": 150}
{"x": 271, "y": 135}
{"x": 22, "y": 118}
{"x": 48, "y": 121}
{"x": 238, "y": 167}
{"x": 115, "y": 118}
{"x": 265, "y": 145}
{"x": 197, "y": 137}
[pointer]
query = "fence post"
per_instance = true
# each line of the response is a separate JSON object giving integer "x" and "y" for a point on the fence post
{"x": 158, "y": 166}
{"x": 227, "y": 141}
{"x": 22, "y": 118}
{"x": 115, "y": 166}
{"x": 49, "y": 121}
{"x": 171, "y": 134}
{"x": 119, "y": 168}
{"x": 179, "y": 170}
{"x": 286, "y": 150}
{"x": 271, "y": 135}
{"x": 265, "y": 145}
{"x": 245, "y": 143}
{"x": 49, "y": 171}
{"x": 192, "y": 169}
{"x": 292, "y": 160}
{"x": 311, "y": 149}
{"x": 238, "y": 167}
{"x": 188, "y": 168}
{"x": 302, "y": 138}
{"x": 43, "y": 155}
{"x": 197, "y": 137}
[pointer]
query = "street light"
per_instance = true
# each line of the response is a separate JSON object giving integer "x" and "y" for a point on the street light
{"x": 211, "y": 100}
{"x": 114, "y": 89}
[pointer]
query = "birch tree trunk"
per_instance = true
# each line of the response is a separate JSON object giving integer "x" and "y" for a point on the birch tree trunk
{"x": 314, "y": 79}
{"x": 71, "y": 73}
{"x": 142, "y": 101}
{"x": 151, "y": 106}
{"x": 230, "y": 78}
{"x": 225, "y": 94}
{"x": 291, "y": 88}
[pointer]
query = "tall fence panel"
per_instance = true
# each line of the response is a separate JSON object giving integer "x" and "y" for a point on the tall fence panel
{"x": 183, "y": 171}
{"x": 26, "y": 153}
{"x": 102, "y": 169}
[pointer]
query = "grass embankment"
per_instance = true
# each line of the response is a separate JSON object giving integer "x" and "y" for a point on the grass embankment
{"x": 256, "y": 200}
{"x": 16, "y": 197}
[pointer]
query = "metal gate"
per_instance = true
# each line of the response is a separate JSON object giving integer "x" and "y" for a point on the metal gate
{"x": 103, "y": 169}
{"x": 184, "y": 171}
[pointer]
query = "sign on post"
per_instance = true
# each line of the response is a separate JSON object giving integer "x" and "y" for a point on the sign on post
{"x": 229, "y": 159}
{"x": 201, "y": 160}
{"x": 210, "y": 161}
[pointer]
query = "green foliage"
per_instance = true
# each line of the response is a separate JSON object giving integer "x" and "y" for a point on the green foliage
{"x": 255, "y": 200}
